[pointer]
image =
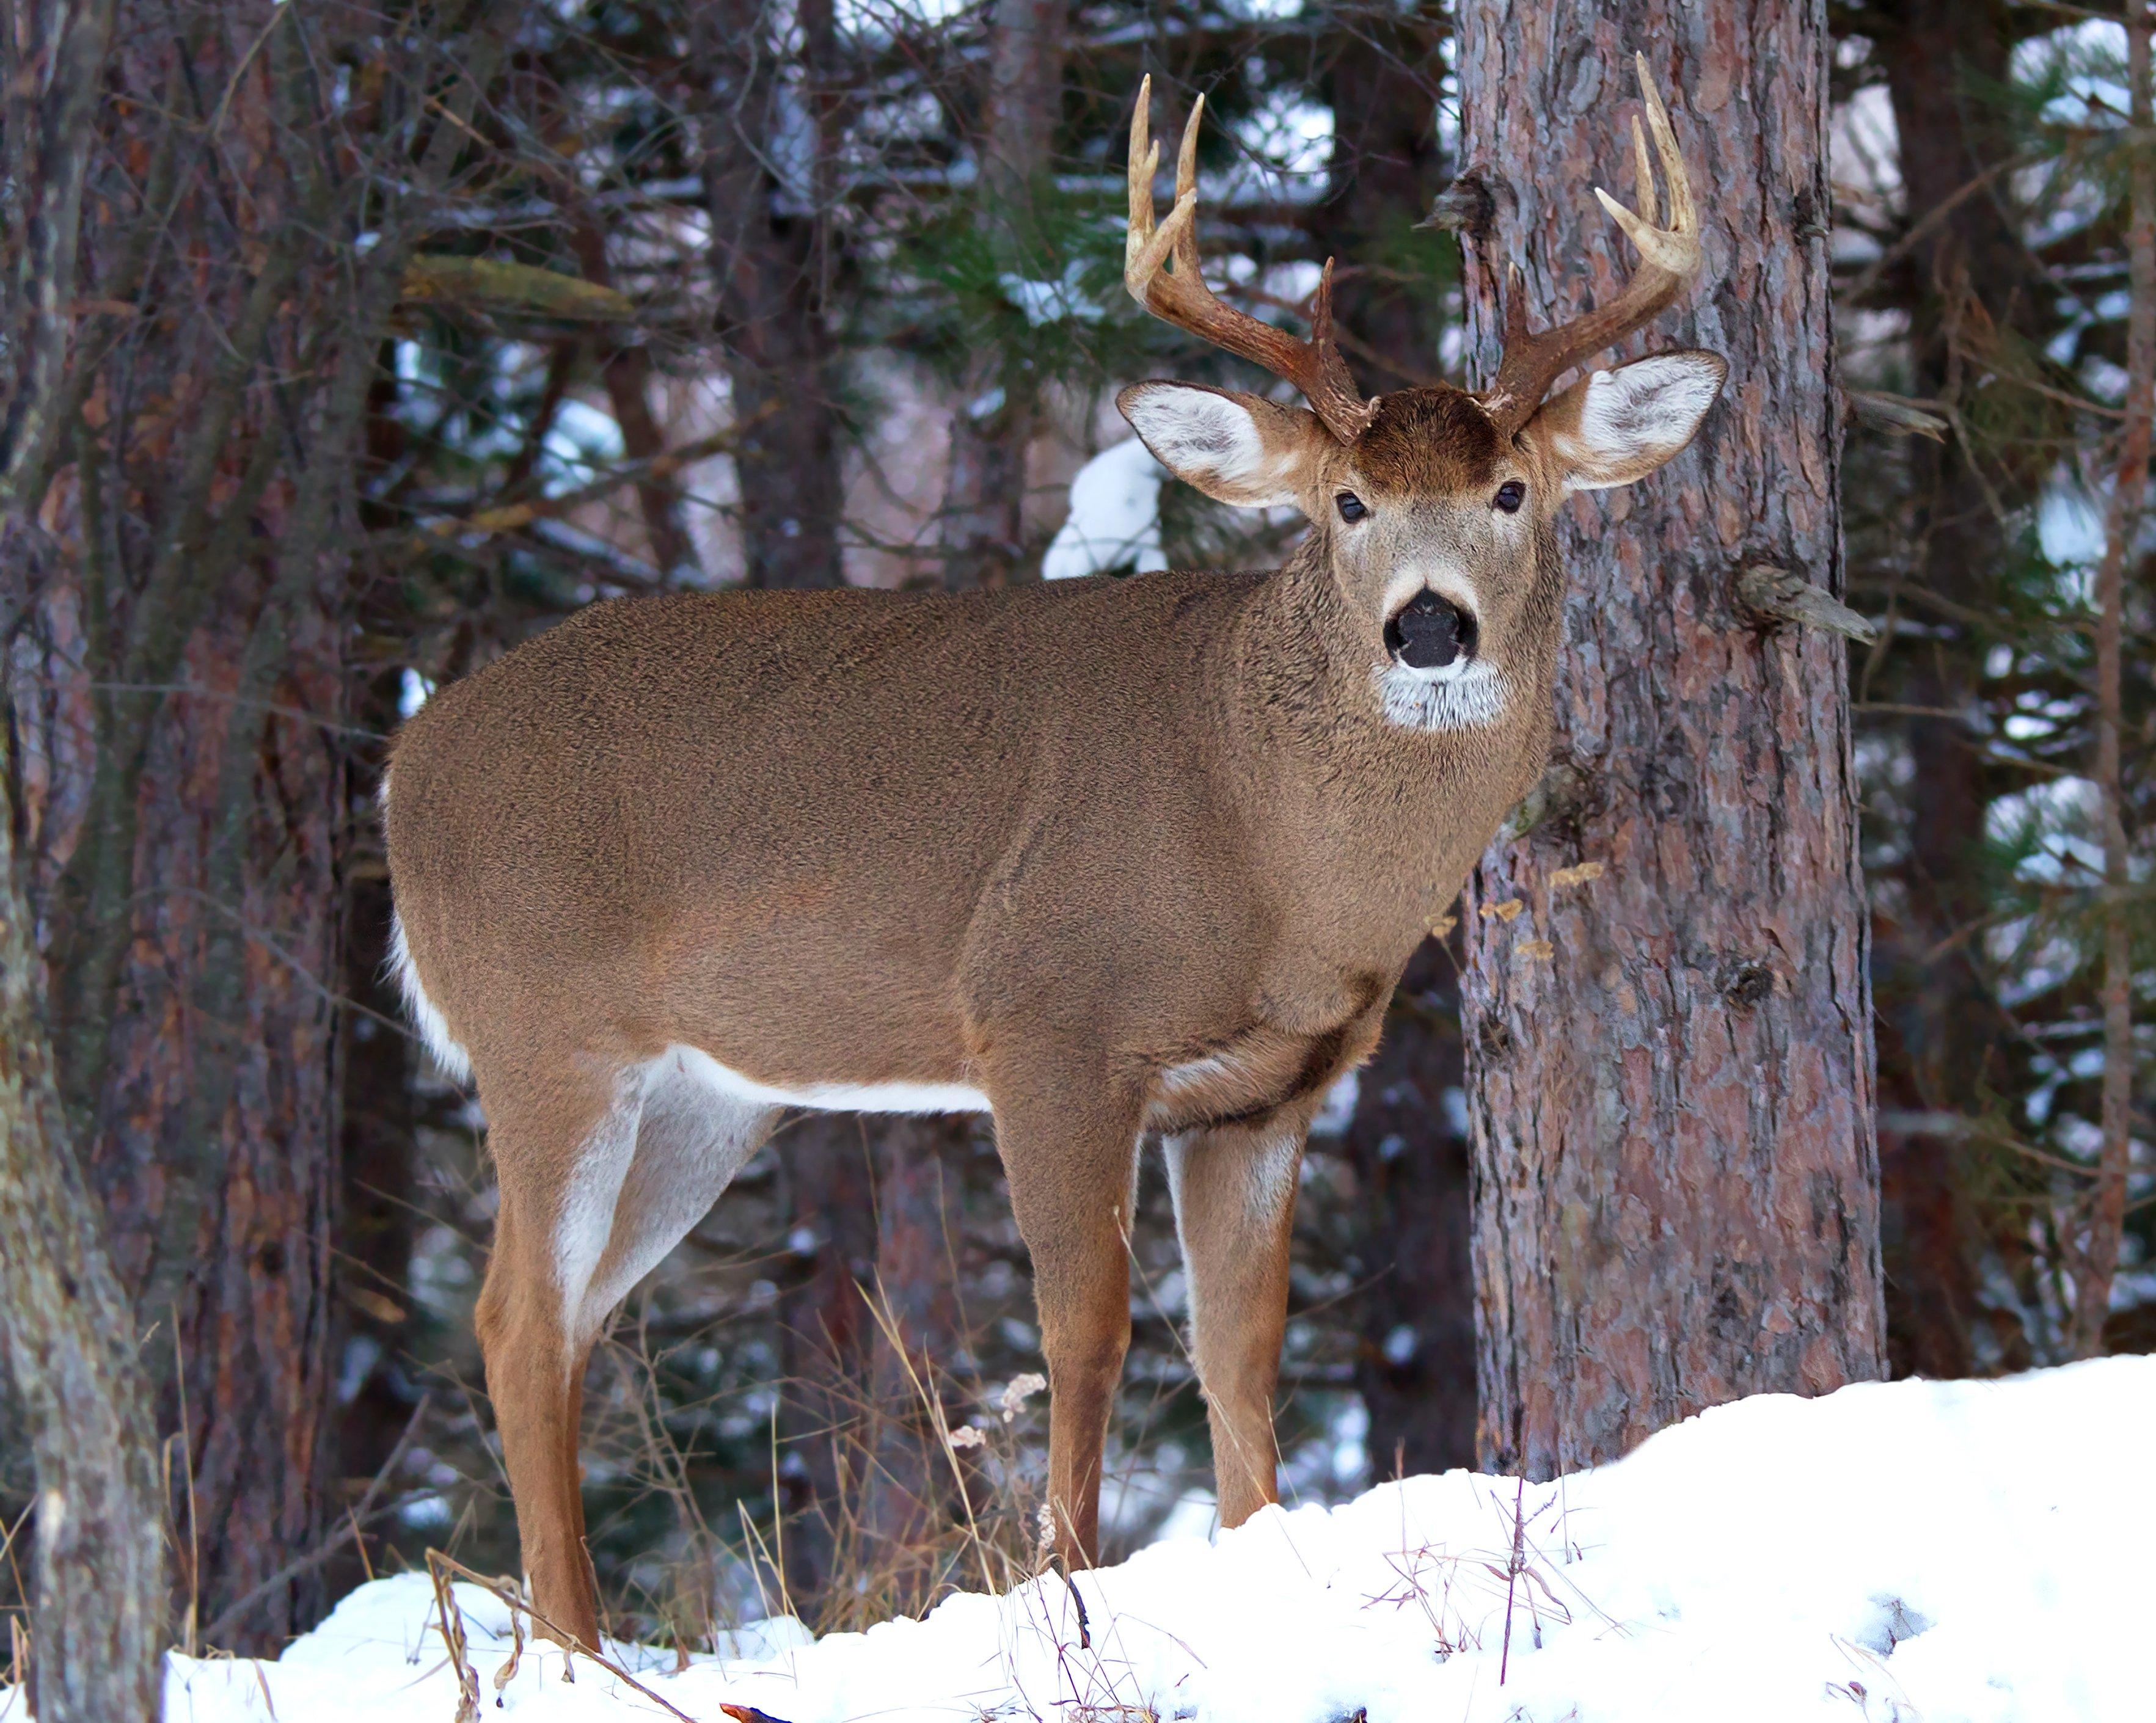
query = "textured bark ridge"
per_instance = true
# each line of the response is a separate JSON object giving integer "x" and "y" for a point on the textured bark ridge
{"x": 1668, "y": 1015}
{"x": 65, "y": 1334}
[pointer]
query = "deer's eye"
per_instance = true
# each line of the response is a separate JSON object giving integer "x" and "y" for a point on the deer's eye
{"x": 1350, "y": 506}
{"x": 1509, "y": 497}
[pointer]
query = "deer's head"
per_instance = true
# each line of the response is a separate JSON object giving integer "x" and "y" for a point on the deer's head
{"x": 1431, "y": 504}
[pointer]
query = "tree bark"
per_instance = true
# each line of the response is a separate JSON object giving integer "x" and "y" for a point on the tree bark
{"x": 376, "y": 1209}
{"x": 1416, "y": 1360}
{"x": 98, "y": 1593}
{"x": 773, "y": 255}
{"x": 982, "y": 527}
{"x": 921, "y": 1355}
{"x": 1670, "y": 1062}
{"x": 625, "y": 368}
{"x": 2098, "y": 1254}
{"x": 1387, "y": 165}
{"x": 178, "y": 692}
{"x": 827, "y": 1335}
{"x": 1943, "y": 59}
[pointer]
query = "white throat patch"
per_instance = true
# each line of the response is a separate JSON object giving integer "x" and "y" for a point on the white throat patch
{"x": 1454, "y": 696}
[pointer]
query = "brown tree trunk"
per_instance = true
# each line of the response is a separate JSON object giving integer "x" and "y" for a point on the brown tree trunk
{"x": 1671, "y": 1061}
{"x": 983, "y": 519}
{"x": 211, "y": 1101}
{"x": 1944, "y": 60}
{"x": 827, "y": 1333}
{"x": 920, "y": 1352}
{"x": 1415, "y": 1365}
{"x": 182, "y": 827}
{"x": 2098, "y": 1252}
{"x": 179, "y": 699}
{"x": 1383, "y": 88}
{"x": 625, "y": 368}
{"x": 98, "y": 1594}
{"x": 376, "y": 1210}
{"x": 772, "y": 252}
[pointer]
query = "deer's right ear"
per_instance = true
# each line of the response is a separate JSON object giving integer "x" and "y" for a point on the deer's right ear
{"x": 1237, "y": 449}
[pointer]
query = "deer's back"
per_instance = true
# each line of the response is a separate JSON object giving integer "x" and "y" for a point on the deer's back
{"x": 703, "y": 796}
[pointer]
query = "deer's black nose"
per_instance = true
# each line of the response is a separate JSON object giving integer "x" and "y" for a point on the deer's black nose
{"x": 1428, "y": 632}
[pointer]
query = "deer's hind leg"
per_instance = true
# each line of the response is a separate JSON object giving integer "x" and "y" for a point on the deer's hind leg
{"x": 561, "y": 1147}
{"x": 593, "y": 1196}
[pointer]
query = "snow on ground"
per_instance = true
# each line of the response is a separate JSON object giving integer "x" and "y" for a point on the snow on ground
{"x": 1904, "y": 1551}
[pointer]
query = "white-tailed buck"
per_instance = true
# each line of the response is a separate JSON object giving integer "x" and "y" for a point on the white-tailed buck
{"x": 1102, "y": 858}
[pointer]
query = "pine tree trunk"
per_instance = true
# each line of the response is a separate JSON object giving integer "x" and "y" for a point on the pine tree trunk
{"x": 379, "y": 1195}
{"x": 1415, "y": 1365}
{"x": 2097, "y": 1252}
{"x": 826, "y": 1333}
{"x": 1670, "y": 1064}
{"x": 1942, "y": 1030}
{"x": 98, "y": 1595}
{"x": 771, "y": 254}
{"x": 179, "y": 695}
{"x": 982, "y": 527}
{"x": 209, "y": 1097}
{"x": 1383, "y": 87}
{"x": 923, "y": 1355}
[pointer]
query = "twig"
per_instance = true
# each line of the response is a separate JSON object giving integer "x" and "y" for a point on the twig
{"x": 453, "y": 1636}
{"x": 1513, "y": 1571}
{"x": 188, "y": 1473}
{"x": 444, "y": 1566}
{"x": 1931, "y": 218}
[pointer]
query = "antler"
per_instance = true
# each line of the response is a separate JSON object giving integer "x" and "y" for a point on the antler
{"x": 1182, "y": 298}
{"x": 1670, "y": 257}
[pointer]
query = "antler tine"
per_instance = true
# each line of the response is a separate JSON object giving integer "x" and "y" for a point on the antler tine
{"x": 1179, "y": 295}
{"x": 1642, "y": 170}
{"x": 1669, "y": 259}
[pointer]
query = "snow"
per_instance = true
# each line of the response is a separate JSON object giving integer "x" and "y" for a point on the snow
{"x": 1897, "y": 1551}
{"x": 1064, "y": 299}
{"x": 1114, "y": 516}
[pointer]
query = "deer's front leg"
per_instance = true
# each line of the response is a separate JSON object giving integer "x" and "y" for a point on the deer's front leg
{"x": 1069, "y": 1151}
{"x": 1235, "y": 1211}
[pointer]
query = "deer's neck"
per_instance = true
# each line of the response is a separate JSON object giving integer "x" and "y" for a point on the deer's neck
{"x": 1373, "y": 821}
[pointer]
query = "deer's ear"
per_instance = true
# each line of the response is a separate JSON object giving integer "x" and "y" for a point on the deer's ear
{"x": 1615, "y": 426}
{"x": 1237, "y": 449}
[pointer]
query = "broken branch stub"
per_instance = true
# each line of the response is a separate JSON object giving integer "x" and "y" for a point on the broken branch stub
{"x": 1772, "y": 596}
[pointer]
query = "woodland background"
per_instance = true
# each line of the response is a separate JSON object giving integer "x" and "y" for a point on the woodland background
{"x": 397, "y": 332}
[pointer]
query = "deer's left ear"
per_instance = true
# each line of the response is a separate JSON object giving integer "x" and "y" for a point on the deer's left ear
{"x": 1615, "y": 426}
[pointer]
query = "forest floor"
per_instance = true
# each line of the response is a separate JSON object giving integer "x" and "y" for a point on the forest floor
{"x": 1931, "y": 1550}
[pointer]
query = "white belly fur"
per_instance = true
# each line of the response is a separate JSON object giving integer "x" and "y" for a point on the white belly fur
{"x": 834, "y": 1097}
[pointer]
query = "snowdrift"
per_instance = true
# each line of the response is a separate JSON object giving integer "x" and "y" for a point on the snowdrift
{"x": 1912, "y": 1551}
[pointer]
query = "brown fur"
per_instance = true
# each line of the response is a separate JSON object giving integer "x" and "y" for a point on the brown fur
{"x": 1051, "y": 842}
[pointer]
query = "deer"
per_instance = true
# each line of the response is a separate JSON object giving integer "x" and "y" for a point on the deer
{"x": 1106, "y": 859}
